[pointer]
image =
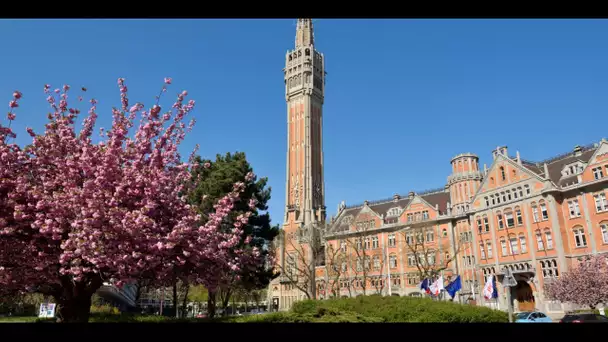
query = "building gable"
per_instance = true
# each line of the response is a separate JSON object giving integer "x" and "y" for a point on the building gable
{"x": 493, "y": 179}
{"x": 598, "y": 159}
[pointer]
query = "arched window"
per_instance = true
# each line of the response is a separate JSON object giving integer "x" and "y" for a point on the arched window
{"x": 548, "y": 238}
{"x": 604, "y": 230}
{"x": 503, "y": 175}
{"x": 543, "y": 210}
{"x": 509, "y": 219}
{"x": 518, "y": 218}
{"x": 392, "y": 259}
{"x": 489, "y": 248}
{"x": 479, "y": 226}
{"x": 290, "y": 58}
{"x": 580, "y": 239}
{"x": 444, "y": 232}
{"x": 501, "y": 223}
{"x": 522, "y": 243}
{"x": 503, "y": 246}
{"x": 534, "y": 212}
{"x": 486, "y": 223}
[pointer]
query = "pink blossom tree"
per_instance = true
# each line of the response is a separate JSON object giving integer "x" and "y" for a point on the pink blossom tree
{"x": 586, "y": 284}
{"x": 75, "y": 214}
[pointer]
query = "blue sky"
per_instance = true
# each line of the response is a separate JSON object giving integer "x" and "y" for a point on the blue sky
{"x": 402, "y": 96}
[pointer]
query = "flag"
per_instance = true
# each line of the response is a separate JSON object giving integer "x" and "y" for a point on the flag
{"x": 437, "y": 286}
{"x": 494, "y": 289}
{"x": 489, "y": 290}
{"x": 425, "y": 286}
{"x": 454, "y": 287}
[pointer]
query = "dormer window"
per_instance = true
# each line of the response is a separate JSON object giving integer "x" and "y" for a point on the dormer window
{"x": 573, "y": 169}
{"x": 394, "y": 212}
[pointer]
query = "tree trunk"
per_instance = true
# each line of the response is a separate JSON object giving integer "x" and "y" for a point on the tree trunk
{"x": 75, "y": 310}
{"x": 185, "y": 301}
{"x": 175, "y": 300}
{"x": 74, "y": 299}
{"x": 225, "y": 300}
{"x": 211, "y": 295}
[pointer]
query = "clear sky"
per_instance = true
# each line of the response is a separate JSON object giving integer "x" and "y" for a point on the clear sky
{"x": 402, "y": 96}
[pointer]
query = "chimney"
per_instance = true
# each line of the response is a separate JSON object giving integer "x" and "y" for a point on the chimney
{"x": 578, "y": 150}
{"x": 449, "y": 208}
{"x": 546, "y": 170}
{"x": 411, "y": 194}
{"x": 396, "y": 197}
{"x": 518, "y": 158}
{"x": 366, "y": 202}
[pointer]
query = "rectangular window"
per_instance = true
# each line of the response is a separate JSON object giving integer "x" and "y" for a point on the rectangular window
{"x": 522, "y": 242}
{"x": 598, "y": 173}
{"x": 482, "y": 251}
{"x": 520, "y": 220}
{"x": 539, "y": 242}
{"x": 343, "y": 246}
{"x": 515, "y": 193}
{"x": 549, "y": 239}
{"x": 487, "y": 201}
{"x": 392, "y": 241}
{"x": 528, "y": 190}
{"x": 575, "y": 210}
{"x": 486, "y": 223}
{"x": 375, "y": 242}
{"x": 514, "y": 246}
{"x": 429, "y": 236}
{"x": 479, "y": 227}
{"x": 503, "y": 247}
{"x": 509, "y": 195}
{"x": 510, "y": 220}
{"x": 535, "y": 213}
{"x": 376, "y": 262}
{"x": 601, "y": 203}
{"x": 489, "y": 247}
{"x": 409, "y": 217}
{"x": 501, "y": 224}
{"x": 425, "y": 215}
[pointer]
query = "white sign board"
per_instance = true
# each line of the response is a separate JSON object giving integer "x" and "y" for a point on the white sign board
{"x": 47, "y": 310}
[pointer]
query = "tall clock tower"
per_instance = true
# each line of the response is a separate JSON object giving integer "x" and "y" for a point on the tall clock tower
{"x": 304, "y": 93}
{"x": 304, "y": 187}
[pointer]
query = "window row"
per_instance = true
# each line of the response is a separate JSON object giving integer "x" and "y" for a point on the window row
{"x": 418, "y": 216}
{"x": 508, "y": 195}
{"x": 598, "y": 172}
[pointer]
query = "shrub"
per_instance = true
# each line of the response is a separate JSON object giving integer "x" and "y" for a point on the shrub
{"x": 104, "y": 309}
{"x": 403, "y": 309}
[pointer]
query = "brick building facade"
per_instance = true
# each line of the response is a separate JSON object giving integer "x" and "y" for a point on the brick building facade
{"x": 536, "y": 218}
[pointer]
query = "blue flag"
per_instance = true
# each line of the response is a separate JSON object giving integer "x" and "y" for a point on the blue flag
{"x": 494, "y": 289}
{"x": 425, "y": 286}
{"x": 454, "y": 287}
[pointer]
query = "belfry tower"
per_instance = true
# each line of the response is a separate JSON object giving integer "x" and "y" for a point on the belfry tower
{"x": 304, "y": 93}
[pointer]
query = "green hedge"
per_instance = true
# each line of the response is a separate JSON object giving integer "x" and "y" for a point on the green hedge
{"x": 382, "y": 309}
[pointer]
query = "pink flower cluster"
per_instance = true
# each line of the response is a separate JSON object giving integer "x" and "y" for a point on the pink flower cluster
{"x": 74, "y": 210}
{"x": 585, "y": 284}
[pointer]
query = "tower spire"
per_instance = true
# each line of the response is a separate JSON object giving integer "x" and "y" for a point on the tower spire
{"x": 304, "y": 33}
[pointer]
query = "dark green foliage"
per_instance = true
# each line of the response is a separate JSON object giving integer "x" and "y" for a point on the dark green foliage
{"x": 404, "y": 309}
{"x": 216, "y": 182}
